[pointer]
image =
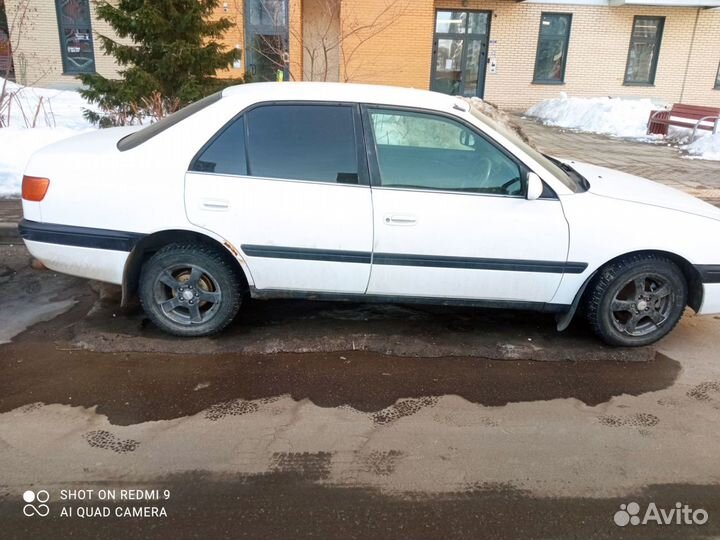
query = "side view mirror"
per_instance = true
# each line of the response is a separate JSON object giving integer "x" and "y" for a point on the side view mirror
{"x": 535, "y": 187}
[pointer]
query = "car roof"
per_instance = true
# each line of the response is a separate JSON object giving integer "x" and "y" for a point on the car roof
{"x": 344, "y": 92}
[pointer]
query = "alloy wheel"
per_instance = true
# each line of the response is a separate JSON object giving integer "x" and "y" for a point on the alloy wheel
{"x": 187, "y": 294}
{"x": 642, "y": 305}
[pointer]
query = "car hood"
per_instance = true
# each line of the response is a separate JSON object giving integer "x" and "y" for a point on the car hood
{"x": 627, "y": 187}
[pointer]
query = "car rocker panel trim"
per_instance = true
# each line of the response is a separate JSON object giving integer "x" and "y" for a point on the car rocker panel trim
{"x": 709, "y": 273}
{"x": 401, "y": 259}
{"x": 88, "y": 237}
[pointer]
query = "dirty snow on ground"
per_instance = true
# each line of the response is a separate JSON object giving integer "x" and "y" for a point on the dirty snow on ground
{"x": 55, "y": 115}
{"x": 621, "y": 117}
{"x": 609, "y": 116}
{"x": 705, "y": 147}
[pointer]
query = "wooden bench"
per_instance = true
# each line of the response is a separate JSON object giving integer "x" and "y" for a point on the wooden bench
{"x": 687, "y": 116}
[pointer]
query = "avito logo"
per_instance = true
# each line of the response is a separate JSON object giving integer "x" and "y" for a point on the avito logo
{"x": 681, "y": 514}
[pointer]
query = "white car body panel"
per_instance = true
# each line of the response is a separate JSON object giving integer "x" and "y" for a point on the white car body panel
{"x": 711, "y": 299}
{"x": 473, "y": 226}
{"x": 304, "y": 215}
{"x": 92, "y": 263}
{"x": 148, "y": 189}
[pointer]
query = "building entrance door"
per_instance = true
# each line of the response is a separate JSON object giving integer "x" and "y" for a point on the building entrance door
{"x": 266, "y": 39}
{"x": 460, "y": 52}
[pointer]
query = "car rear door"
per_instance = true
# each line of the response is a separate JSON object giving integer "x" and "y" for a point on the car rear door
{"x": 451, "y": 218}
{"x": 287, "y": 184}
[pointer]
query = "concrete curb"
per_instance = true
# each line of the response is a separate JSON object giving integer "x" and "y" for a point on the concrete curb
{"x": 9, "y": 233}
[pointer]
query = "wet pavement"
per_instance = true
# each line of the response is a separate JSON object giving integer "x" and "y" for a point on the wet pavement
{"x": 316, "y": 420}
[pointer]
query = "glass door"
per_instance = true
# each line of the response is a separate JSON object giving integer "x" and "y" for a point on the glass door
{"x": 460, "y": 52}
{"x": 266, "y": 39}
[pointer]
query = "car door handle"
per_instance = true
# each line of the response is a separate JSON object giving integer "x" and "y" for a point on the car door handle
{"x": 215, "y": 204}
{"x": 400, "y": 220}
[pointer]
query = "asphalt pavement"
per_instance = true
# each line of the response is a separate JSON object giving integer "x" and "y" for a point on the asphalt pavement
{"x": 299, "y": 422}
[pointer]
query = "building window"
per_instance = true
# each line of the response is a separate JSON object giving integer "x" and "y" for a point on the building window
{"x": 552, "y": 48}
{"x": 644, "y": 50}
{"x": 76, "y": 43}
{"x": 717, "y": 79}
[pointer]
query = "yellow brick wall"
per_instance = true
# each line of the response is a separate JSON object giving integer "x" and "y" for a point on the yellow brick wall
{"x": 390, "y": 42}
{"x": 704, "y": 61}
{"x": 320, "y": 40}
{"x": 233, "y": 10}
{"x": 599, "y": 41}
{"x": 395, "y": 50}
{"x": 38, "y": 60}
{"x": 597, "y": 54}
{"x": 296, "y": 14}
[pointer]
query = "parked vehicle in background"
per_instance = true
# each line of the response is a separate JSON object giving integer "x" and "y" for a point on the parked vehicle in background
{"x": 366, "y": 193}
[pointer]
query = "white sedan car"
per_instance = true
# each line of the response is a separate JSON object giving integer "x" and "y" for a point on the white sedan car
{"x": 365, "y": 193}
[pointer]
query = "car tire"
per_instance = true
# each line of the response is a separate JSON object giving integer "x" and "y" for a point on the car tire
{"x": 190, "y": 290}
{"x": 636, "y": 300}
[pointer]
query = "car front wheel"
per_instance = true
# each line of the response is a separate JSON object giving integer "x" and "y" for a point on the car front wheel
{"x": 637, "y": 300}
{"x": 189, "y": 290}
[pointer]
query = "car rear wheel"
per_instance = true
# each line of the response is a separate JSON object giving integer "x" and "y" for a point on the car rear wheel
{"x": 637, "y": 300}
{"x": 189, "y": 290}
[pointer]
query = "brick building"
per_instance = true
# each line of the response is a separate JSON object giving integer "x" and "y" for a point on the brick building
{"x": 513, "y": 53}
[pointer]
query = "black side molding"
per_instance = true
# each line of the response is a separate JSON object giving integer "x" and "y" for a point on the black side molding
{"x": 709, "y": 273}
{"x": 402, "y": 259}
{"x": 472, "y": 263}
{"x": 307, "y": 254}
{"x": 68, "y": 235}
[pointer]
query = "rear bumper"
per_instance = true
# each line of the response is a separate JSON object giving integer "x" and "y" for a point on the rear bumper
{"x": 69, "y": 235}
{"x": 80, "y": 251}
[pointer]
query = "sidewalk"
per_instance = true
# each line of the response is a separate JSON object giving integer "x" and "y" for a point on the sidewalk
{"x": 659, "y": 162}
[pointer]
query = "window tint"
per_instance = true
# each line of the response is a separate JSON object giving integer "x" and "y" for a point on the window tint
{"x": 644, "y": 49}
{"x": 552, "y": 48}
{"x": 424, "y": 151}
{"x": 226, "y": 154}
{"x": 145, "y": 134}
{"x": 303, "y": 142}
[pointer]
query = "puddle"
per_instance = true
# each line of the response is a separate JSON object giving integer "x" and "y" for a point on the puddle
{"x": 132, "y": 388}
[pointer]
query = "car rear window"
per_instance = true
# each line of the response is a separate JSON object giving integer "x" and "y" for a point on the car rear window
{"x": 145, "y": 134}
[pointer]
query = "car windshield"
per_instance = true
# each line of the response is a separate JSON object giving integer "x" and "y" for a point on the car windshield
{"x": 564, "y": 173}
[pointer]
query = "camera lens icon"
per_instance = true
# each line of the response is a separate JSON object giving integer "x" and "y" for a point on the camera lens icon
{"x": 40, "y": 497}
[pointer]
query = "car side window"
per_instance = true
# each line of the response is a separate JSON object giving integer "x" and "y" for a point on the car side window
{"x": 303, "y": 142}
{"x": 226, "y": 153}
{"x": 426, "y": 151}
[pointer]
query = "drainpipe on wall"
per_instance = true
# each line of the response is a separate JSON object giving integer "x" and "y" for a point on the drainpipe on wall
{"x": 687, "y": 64}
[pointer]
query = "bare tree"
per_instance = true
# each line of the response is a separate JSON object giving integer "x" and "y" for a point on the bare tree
{"x": 331, "y": 37}
{"x": 356, "y": 33}
{"x": 12, "y": 97}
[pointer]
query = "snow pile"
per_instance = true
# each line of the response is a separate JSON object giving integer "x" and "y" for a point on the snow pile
{"x": 705, "y": 147}
{"x": 609, "y": 116}
{"x": 55, "y": 115}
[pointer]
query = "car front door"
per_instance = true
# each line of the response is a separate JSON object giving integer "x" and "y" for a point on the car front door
{"x": 451, "y": 218}
{"x": 287, "y": 184}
